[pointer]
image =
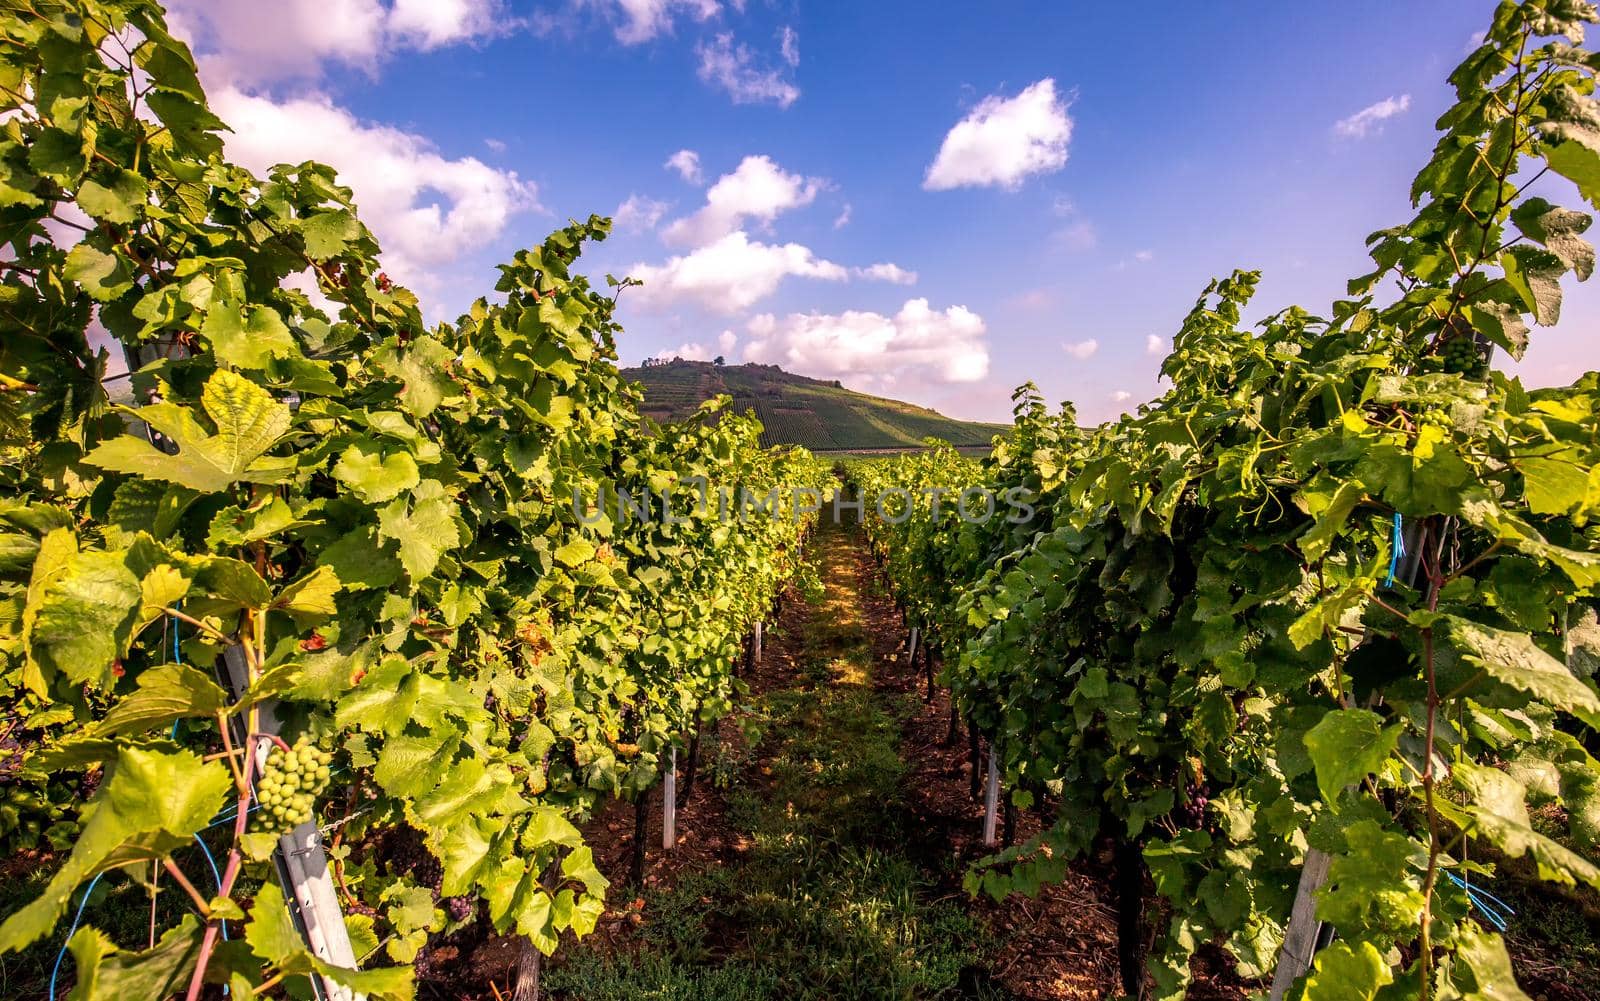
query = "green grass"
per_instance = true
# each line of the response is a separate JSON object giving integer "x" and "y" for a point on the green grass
{"x": 825, "y": 903}
{"x": 801, "y": 411}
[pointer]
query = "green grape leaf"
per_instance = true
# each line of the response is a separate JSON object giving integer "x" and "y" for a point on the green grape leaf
{"x": 424, "y": 525}
{"x": 248, "y": 422}
{"x": 1580, "y": 165}
{"x": 578, "y": 551}
{"x": 119, "y": 198}
{"x": 236, "y": 526}
{"x": 1347, "y": 972}
{"x": 1513, "y": 659}
{"x": 1482, "y": 970}
{"x": 384, "y": 700}
{"x": 311, "y": 596}
{"x": 1498, "y": 806}
{"x": 375, "y": 476}
{"x": 328, "y": 233}
{"x": 104, "y": 276}
{"x": 1374, "y": 888}
{"x": 1552, "y": 486}
{"x": 152, "y": 802}
{"x": 361, "y": 561}
{"x": 248, "y": 342}
{"x": 166, "y": 693}
{"x": 106, "y": 973}
{"x": 423, "y": 368}
{"x": 1346, "y": 746}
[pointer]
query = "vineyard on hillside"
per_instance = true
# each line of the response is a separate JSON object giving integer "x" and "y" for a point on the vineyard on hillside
{"x": 793, "y": 409}
{"x": 333, "y": 644}
{"x": 1320, "y": 623}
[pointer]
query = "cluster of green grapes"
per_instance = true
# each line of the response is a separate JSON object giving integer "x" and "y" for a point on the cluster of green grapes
{"x": 1437, "y": 416}
{"x": 289, "y": 785}
{"x": 1461, "y": 355}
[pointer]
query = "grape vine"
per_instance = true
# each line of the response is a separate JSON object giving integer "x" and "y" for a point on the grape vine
{"x": 375, "y": 519}
{"x": 1210, "y": 646}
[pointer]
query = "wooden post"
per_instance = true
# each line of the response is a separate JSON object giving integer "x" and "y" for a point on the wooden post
{"x": 641, "y": 826}
{"x": 669, "y": 802}
{"x": 1304, "y": 934}
{"x": 692, "y": 766}
{"x": 973, "y": 757}
{"x": 1300, "y": 938}
{"x": 757, "y": 648}
{"x": 991, "y": 799}
{"x": 1129, "y": 876}
{"x": 911, "y": 656}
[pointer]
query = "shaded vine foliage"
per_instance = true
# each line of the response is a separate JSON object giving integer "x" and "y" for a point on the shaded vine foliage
{"x": 376, "y": 518}
{"x": 1208, "y": 643}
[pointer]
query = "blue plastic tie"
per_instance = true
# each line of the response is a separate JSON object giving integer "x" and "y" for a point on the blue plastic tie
{"x": 1490, "y": 906}
{"x": 1397, "y": 549}
{"x": 73, "y": 930}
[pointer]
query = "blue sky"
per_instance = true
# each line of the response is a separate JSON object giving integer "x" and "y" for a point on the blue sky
{"x": 1107, "y": 168}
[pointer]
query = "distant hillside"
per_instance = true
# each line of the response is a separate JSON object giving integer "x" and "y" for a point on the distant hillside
{"x": 794, "y": 409}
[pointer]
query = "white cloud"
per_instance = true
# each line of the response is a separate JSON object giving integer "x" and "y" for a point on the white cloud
{"x": 732, "y": 67}
{"x": 729, "y": 274}
{"x": 759, "y": 189}
{"x": 639, "y": 213}
{"x": 1080, "y": 235}
{"x": 1154, "y": 345}
{"x": 643, "y": 20}
{"x": 726, "y": 340}
{"x": 251, "y": 42}
{"x": 843, "y": 218}
{"x": 1371, "y": 118}
{"x": 1004, "y": 140}
{"x": 789, "y": 45}
{"x": 495, "y": 145}
{"x": 687, "y": 163}
{"x": 426, "y": 210}
{"x": 1082, "y": 350}
{"x": 1121, "y": 396}
{"x": 917, "y": 344}
{"x": 894, "y": 274}
{"x": 1144, "y": 256}
{"x": 691, "y": 351}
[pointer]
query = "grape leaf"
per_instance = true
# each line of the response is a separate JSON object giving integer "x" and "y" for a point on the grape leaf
{"x": 248, "y": 422}
{"x": 1346, "y": 745}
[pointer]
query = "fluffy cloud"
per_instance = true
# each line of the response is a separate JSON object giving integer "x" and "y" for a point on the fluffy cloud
{"x": 729, "y": 274}
{"x": 1144, "y": 256}
{"x": 894, "y": 274}
{"x": 690, "y": 351}
{"x": 250, "y": 42}
{"x": 789, "y": 45}
{"x": 759, "y": 189}
{"x": 426, "y": 210}
{"x": 1004, "y": 140}
{"x": 1082, "y": 350}
{"x": 639, "y": 213}
{"x": 1154, "y": 345}
{"x": 732, "y": 66}
{"x": 687, "y": 163}
{"x": 642, "y": 20}
{"x": 842, "y": 220}
{"x": 1371, "y": 118}
{"x": 1121, "y": 396}
{"x": 917, "y": 344}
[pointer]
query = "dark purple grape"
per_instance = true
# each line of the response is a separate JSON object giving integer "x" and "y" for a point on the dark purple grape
{"x": 459, "y": 908}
